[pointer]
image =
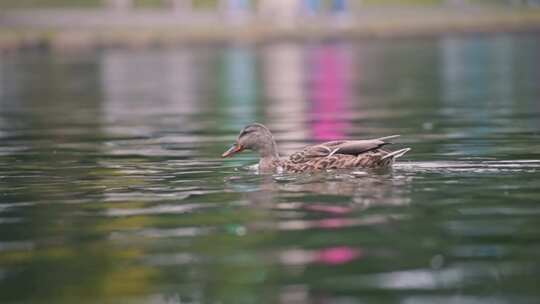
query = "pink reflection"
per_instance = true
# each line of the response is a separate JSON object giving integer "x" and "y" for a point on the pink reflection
{"x": 340, "y": 210}
{"x": 329, "y": 91}
{"x": 337, "y": 255}
{"x": 330, "y": 256}
{"x": 333, "y": 223}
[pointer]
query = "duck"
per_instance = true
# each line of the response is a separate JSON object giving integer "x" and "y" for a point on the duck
{"x": 337, "y": 154}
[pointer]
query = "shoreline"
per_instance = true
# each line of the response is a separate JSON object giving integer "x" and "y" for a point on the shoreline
{"x": 39, "y": 29}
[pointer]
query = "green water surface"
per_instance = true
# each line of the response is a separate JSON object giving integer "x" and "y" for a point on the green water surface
{"x": 112, "y": 189}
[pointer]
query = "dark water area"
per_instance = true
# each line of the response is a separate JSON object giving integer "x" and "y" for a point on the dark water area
{"x": 112, "y": 189}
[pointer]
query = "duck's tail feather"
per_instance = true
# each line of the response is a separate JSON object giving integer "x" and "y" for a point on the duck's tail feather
{"x": 387, "y": 137}
{"x": 396, "y": 154}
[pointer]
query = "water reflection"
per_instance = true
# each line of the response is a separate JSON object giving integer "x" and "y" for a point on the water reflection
{"x": 479, "y": 71}
{"x": 3, "y": 80}
{"x": 111, "y": 188}
{"x": 328, "y": 67}
{"x": 239, "y": 86}
{"x": 169, "y": 79}
{"x": 284, "y": 81}
{"x": 58, "y": 175}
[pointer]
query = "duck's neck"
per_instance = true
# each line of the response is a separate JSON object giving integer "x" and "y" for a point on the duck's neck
{"x": 269, "y": 156}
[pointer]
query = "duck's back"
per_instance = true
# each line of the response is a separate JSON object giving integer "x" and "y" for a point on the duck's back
{"x": 338, "y": 147}
{"x": 342, "y": 154}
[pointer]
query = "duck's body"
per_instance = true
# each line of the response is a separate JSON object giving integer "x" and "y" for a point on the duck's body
{"x": 343, "y": 154}
{"x": 332, "y": 155}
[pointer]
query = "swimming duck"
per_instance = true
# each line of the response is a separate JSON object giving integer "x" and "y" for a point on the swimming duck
{"x": 338, "y": 154}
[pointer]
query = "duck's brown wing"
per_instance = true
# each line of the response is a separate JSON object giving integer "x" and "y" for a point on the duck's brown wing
{"x": 356, "y": 147}
{"x": 348, "y": 147}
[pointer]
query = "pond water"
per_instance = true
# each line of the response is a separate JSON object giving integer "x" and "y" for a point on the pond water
{"x": 112, "y": 189}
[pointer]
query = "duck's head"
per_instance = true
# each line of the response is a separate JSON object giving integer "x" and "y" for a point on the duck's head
{"x": 255, "y": 137}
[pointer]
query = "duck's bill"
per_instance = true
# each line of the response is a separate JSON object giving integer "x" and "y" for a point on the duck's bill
{"x": 232, "y": 150}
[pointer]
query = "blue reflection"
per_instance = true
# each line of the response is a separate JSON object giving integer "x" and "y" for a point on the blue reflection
{"x": 477, "y": 87}
{"x": 312, "y": 7}
{"x": 240, "y": 85}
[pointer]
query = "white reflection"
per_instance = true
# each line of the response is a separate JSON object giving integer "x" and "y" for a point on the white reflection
{"x": 10, "y": 84}
{"x": 336, "y": 223}
{"x": 166, "y": 299}
{"x": 16, "y": 246}
{"x": 11, "y": 220}
{"x": 160, "y": 209}
{"x": 172, "y": 259}
{"x": 151, "y": 91}
{"x": 416, "y": 279}
{"x": 284, "y": 88}
{"x": 486, "y": 167}
{"x": 281, "y": 12}
{"x": 141, "y": 196}
{"x": 143, "y": 83}
{"x": 2, "y": 80}
{"x": 456, "y": 299}
{"x": 168, "y": 233}
{"x": 297, "y": 294}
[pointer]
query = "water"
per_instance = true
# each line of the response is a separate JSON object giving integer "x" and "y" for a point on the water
{"x": 112, "y": 189}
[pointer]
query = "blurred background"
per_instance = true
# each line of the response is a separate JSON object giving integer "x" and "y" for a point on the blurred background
{"x": 63, "y": 24}
{"x": 114, "y": 114}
